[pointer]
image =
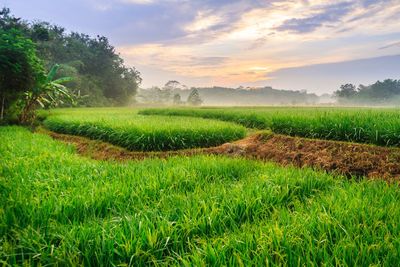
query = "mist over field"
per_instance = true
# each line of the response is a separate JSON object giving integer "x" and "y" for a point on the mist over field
{"x": 221, "y": 96}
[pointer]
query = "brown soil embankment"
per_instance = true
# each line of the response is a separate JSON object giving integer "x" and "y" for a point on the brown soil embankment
{"x": 339, "y": 157}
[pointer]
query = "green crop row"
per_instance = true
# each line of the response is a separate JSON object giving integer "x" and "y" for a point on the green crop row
{"x": 373, "y": 126}
{"x": 59, "y": 209}
{"x": 145, "y": 133}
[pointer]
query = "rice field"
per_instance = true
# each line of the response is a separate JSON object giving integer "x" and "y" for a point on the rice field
{"x": 125, "y": 128}
{"x": 58, "y": 208}
{"x": 362, "y": 125}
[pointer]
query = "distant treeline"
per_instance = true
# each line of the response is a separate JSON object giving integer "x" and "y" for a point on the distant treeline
{"x": 173, "y": 92}
{"x": 385, "y": 92}
{"x": 99, "y": 74}
{"x": 255, "y": 96}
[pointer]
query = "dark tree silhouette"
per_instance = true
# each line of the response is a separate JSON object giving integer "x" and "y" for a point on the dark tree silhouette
{"x": 194, "y": 98}
{"x": 346, "y": 91}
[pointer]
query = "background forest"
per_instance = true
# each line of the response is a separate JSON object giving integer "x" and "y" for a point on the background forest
{"x": 93, "y": 65}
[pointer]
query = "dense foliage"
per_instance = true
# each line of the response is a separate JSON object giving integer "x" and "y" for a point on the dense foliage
{"x": 20, "y": 69}
{"x": 374, "y": 126}
{"x": 98, "y": 71}
{"x": 124, "y": 128}
{"x": 61, "y": 209}
{"x": 379, "y": 93}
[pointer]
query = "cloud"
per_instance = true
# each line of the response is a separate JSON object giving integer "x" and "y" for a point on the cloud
{"x": 245, "y": 42}
{"x": 182, "y": 60}
{"x": 173, "y": 58}
{"x": 203, "y": 21}
{"x": 327, "y": 14}
{"x": 138, "y": 2}
{"x": 325, "y": 78}
{"x": 228, "y": 42}
{"x": 395, "y": 44}
{"x": 207, "y": 61}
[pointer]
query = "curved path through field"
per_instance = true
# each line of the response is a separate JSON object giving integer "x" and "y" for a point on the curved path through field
{"x": 339, "y": 157}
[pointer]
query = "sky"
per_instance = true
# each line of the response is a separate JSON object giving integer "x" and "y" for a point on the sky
{"x": 314, "y": 45}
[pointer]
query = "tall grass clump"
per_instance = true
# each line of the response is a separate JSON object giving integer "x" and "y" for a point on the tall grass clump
{"x": 247, "y": 118}
{"x": 57, "y": 208}
{"x": 146, "y": 133}
{"x": 362, "y": 125}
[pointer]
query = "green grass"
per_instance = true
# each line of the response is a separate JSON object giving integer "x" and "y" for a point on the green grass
{"x": 123, "y": 127}
{"x": 362, "y": 125}
{"x": 57, "y": 208}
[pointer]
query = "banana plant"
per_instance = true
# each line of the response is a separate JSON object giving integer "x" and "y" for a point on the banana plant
{"x": 50, "y": 92}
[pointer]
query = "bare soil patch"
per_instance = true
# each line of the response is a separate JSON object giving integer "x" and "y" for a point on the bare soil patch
{"x": 100, "y": 150}
{"x": 339, "y": 157}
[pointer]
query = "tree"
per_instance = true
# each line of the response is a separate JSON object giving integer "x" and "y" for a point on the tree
{"x": 384, "y": 90}
{"x": 49, "y": 92}
{"x": 346, "y": 91}
{"x": 194, "y": 98}
{"x": 98, "y": 71}
{"x": 177, "y": 99}
{"x": 381, "y": 92}
{"x": 20, "y": 68}
{"x": 171, "y": 85}
{"x": 8, "y": 21}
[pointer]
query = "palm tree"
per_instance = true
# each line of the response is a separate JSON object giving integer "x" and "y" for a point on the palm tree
{"x": 50, "y": 92}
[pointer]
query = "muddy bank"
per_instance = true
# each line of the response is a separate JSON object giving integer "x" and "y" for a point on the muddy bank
{"x": 339, "y": 157}
{"x": 104, "y": 151}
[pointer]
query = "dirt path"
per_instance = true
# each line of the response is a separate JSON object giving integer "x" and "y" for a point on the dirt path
{"x": 339, "y": 157}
